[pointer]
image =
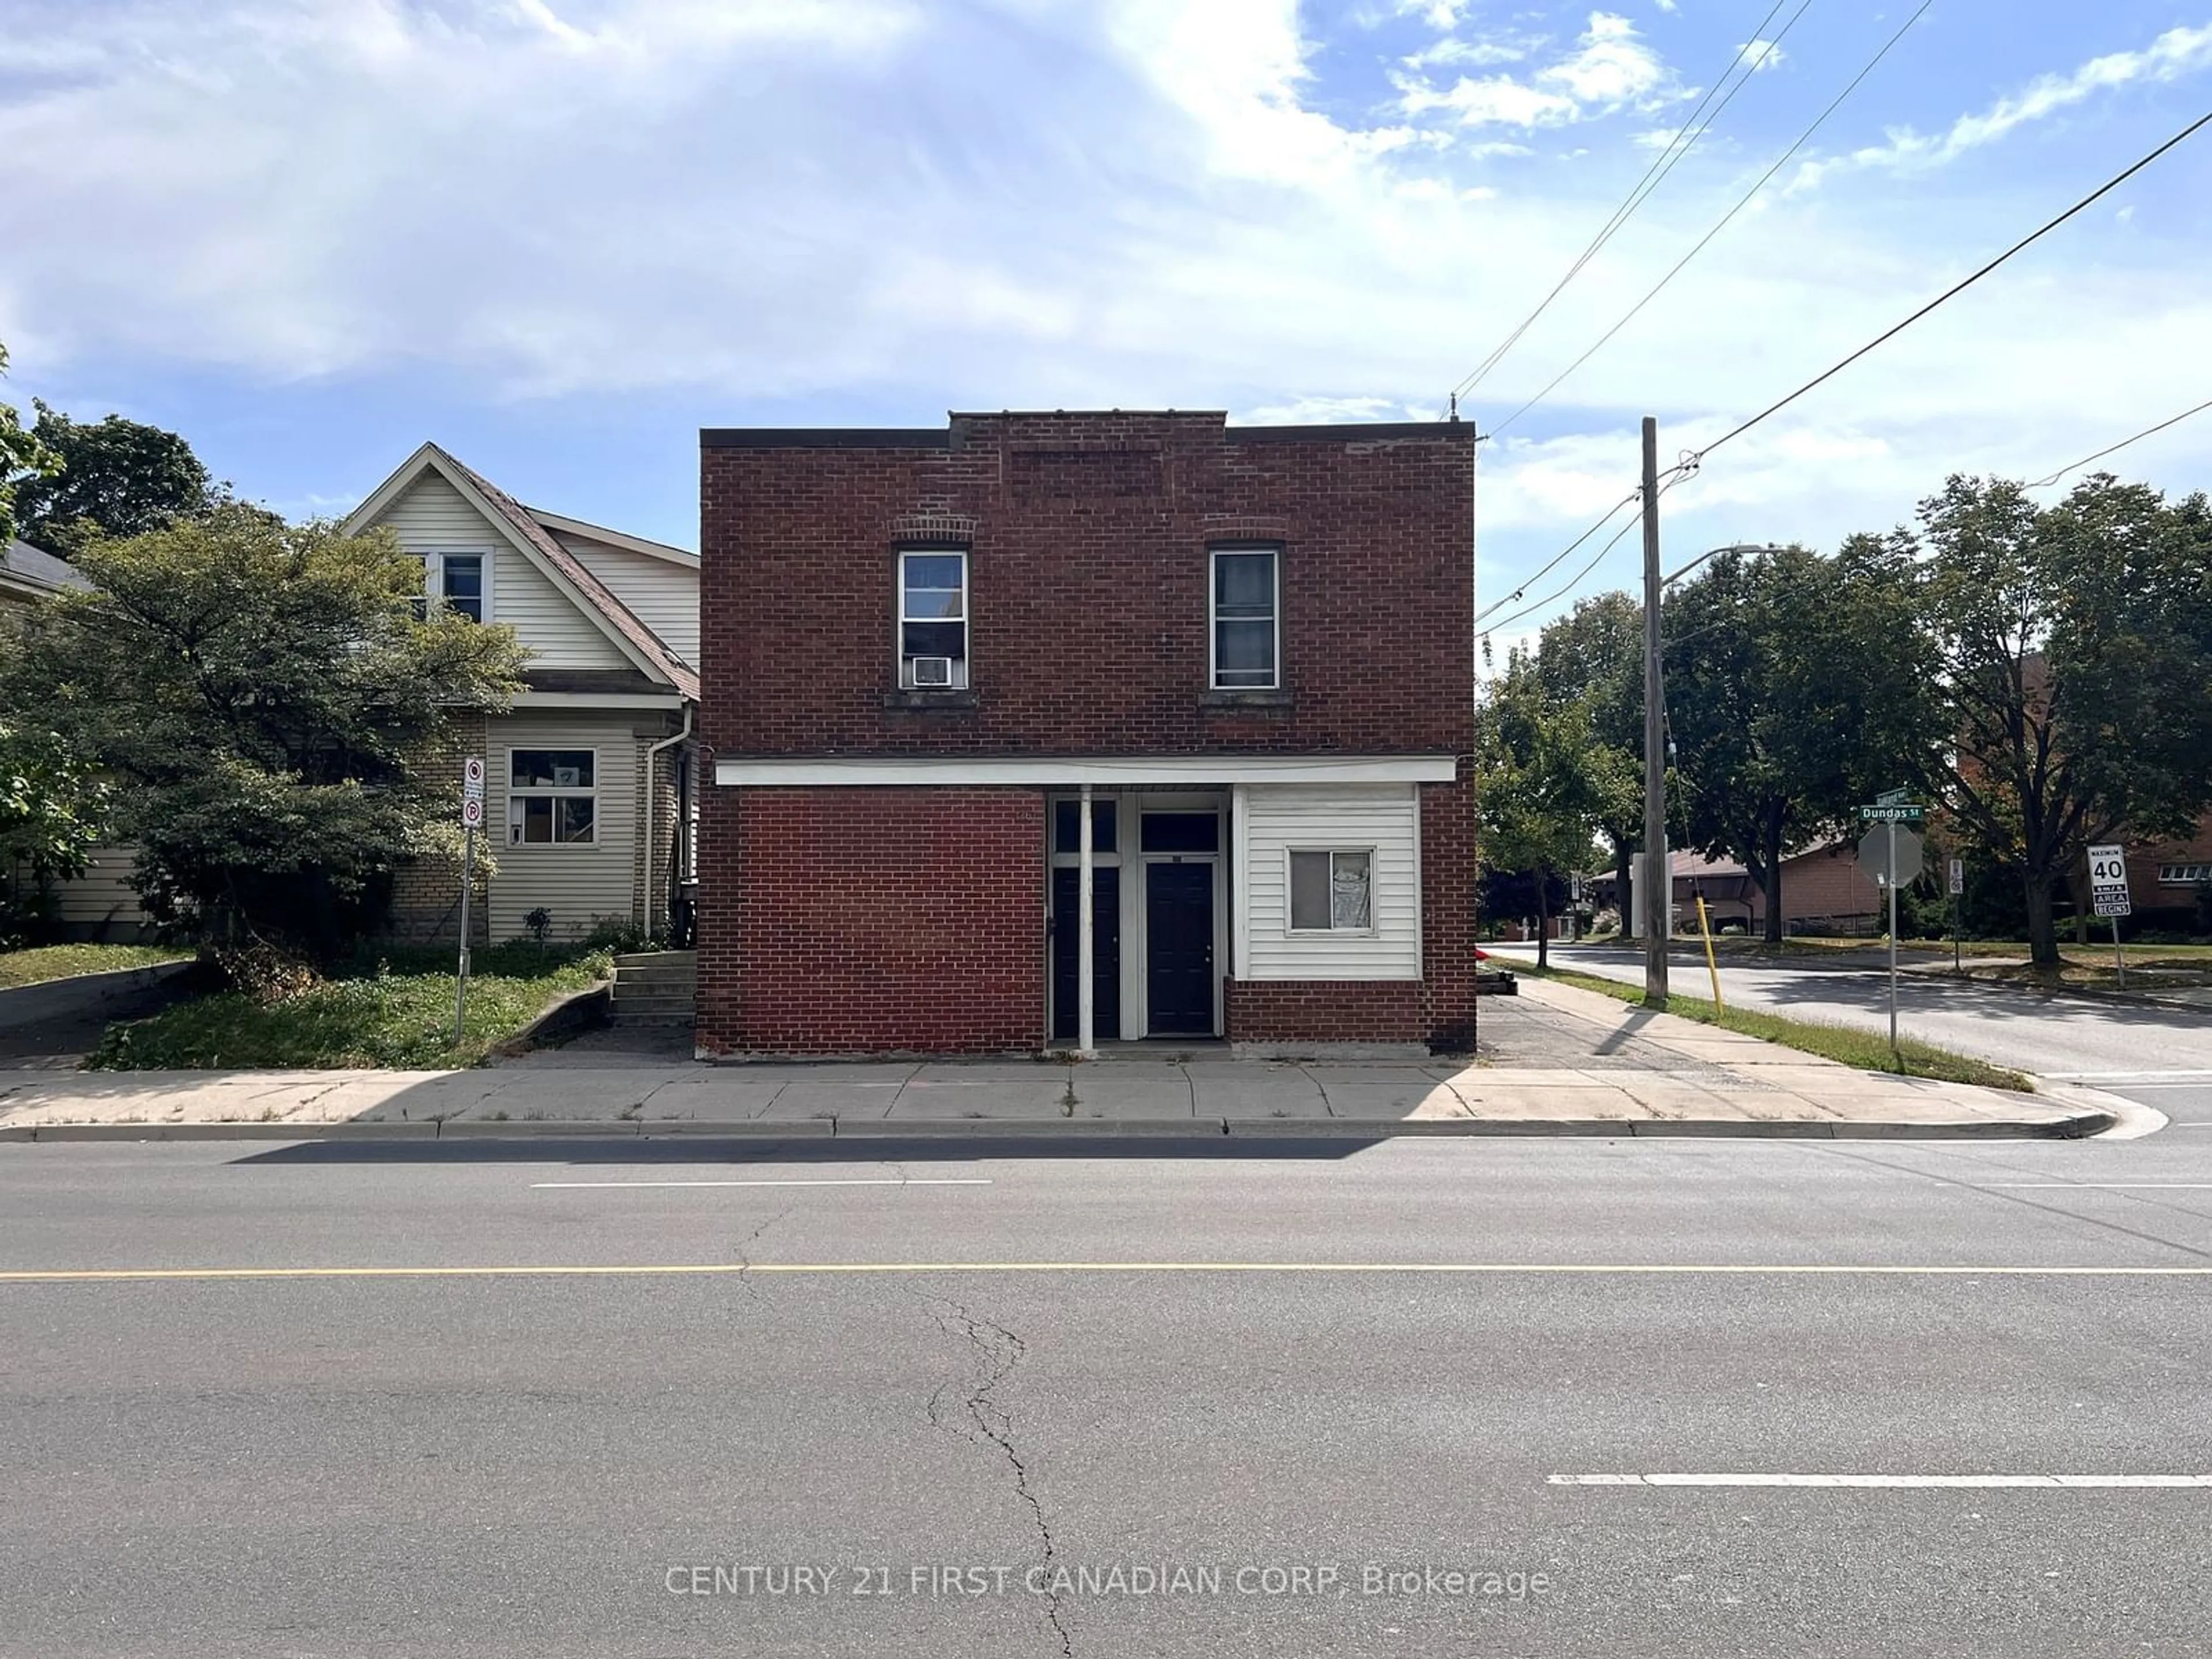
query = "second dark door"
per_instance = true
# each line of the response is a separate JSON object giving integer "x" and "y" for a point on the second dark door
{"x": 1179, "y": 949}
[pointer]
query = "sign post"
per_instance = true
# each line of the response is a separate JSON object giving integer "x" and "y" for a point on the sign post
{"x": 2108, "y": 896}
{"x": 1957, "y": 889}
{"x": 472, "y": 799}
{"x": 1890, "y": 809}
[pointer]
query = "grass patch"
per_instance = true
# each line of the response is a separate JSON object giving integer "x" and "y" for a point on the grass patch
{"x": 52, "y": 962}
{"x": 392, "y": 1018}
{"x": 1863, "y": 1050}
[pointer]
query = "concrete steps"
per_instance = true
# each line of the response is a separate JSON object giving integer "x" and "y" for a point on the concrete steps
{"x": 656, "y": 987}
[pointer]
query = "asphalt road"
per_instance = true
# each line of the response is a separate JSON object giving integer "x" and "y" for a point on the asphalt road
{"x": 1254, "y": 1381}
{"x": 2161, "y": 1057}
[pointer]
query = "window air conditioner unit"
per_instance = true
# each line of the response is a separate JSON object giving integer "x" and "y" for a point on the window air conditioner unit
{"x": 932, "y": 672}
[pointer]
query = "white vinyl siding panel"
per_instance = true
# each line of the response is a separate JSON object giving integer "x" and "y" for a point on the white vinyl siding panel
{"x": 664, "y": 595}
{"x": 579, "y": 884}
{"x": 1386, "y": 818}
{"x": 101, "y": 902}
{"x": 432, "y": 517}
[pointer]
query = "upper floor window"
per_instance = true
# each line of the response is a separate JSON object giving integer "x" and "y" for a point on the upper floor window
{"x": 453, "y": 581}
{"x": 933, "y": 619}
{"x": 1247, "y": 637}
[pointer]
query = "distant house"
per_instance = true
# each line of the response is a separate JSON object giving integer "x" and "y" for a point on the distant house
{"x": 28, "y": 574}
{"x": 1823, "y": 892}
{"x": 591, "y": 780}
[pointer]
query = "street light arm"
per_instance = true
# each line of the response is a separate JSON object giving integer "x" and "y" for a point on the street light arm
{"x": 1733, "y": 547}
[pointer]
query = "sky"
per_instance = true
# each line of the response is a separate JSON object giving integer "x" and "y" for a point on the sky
{"x": 558, "y": 236}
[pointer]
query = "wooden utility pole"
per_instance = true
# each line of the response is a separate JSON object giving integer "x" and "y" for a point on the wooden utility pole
{"x": 1658, "y": 894}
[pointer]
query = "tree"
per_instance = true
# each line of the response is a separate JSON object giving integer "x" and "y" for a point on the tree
{"x": 1595, "y": 655}
{"x": 51, "y": 809}
{"x": 2074, "y": 650}
{"x": 23, "y": 461}
{"x": 113, "y": 477}
{"x": 1542, "y": 779}
{"x": 257, "y": 692}
{"x": 1796, "y": 689}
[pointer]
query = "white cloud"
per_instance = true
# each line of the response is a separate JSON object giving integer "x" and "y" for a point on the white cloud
{"x": 1610, "y": 69}
{"x": 2174, "y": 54}
{"x": 1763, "y": 55}
{"x": 864, "y": 209}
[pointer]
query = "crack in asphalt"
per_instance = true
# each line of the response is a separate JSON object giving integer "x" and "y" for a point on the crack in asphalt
{"x": 1000, "y": 1351}
{"x": 742, "y": 1249}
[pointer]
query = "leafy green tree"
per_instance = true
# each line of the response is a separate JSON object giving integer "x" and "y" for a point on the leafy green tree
{"x": 51, "y": 810}
{"x": 1595, "y": 655}
{"x": 1797, "y": 687}
{"x": 113, "y": 477}
{"x": 2074, "y": 653}
{"x": 23, "y": 461}
{"x": 1541, "y": 779}
{"x": 258, "y": 692}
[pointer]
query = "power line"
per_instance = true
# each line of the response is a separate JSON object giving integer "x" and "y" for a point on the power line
{"x": 1653, "y": 176}
{"x": 2109, "y": 449}
{"x": 1563, "y": 555}
{"x": 2110, "y": 184}
{"x": 1673, "y": 477}
{"x": 1779, "y": 162}
{"x": 1693, "y": 459}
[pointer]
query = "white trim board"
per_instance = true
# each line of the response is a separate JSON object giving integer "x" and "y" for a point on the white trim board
{"x": 1116, "y": 771}
{"x": 597, "y": 699}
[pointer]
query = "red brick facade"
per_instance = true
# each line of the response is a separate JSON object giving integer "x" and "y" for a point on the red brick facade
{"x": 872, "y": 921}
{"x": 1327, "y": 1011}
{"x": 847, "y": 919}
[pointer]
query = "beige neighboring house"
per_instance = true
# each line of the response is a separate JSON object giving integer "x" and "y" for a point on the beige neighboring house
{"x": 588, "y": 779}
{"x": 100, "y": 904}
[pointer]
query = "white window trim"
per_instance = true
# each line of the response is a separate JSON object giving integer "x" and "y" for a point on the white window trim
{"x": 1373, "y": 930}
{"x": 964, "y": 665}
{"x": 544, "y": 792}
{"x": 433, "y": 579}
{"x": 2183, "y": 875}
{"x": 1213, "y": 623}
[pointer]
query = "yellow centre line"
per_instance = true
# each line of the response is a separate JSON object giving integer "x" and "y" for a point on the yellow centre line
{"x": 98, "y": 1275}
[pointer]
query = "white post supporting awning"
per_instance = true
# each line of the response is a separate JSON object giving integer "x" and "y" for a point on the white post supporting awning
{"x": 1086, "y": 992}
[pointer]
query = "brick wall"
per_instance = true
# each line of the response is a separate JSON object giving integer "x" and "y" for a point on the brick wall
{"x": 1448, "y": 912}
{"x": 1325, "y": 1011}
{"x": 1088, "y": 576}
{"x": 426, "y": 893}
{"x": 872, "y": 920}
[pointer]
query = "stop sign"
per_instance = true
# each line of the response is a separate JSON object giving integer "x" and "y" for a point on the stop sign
{"x": 1874, "y": 855}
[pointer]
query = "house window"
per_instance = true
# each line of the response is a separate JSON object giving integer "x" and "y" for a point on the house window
{"x": 453, "y": 581}
{"x": 933, "y": 619}
{"x": 1332, "y": 890}
{"x": 2183, "y": 875}
{"x": 1246, "y": 636}
{"x": 552, "y": 797}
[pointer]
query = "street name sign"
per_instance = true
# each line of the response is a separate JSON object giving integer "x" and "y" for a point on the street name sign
{"x": 1891, "y": 812}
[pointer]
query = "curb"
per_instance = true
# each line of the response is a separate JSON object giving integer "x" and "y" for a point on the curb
{"x": 2079, "y": 1126}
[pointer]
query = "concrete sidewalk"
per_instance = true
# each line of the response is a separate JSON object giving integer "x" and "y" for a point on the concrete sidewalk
{"x": 1565, "y": 1061}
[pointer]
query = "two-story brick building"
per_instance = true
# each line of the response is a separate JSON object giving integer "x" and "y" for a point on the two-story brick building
{"x": 1250, "y": 648}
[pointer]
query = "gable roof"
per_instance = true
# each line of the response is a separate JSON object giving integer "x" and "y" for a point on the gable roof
{"x": 616, "y": 620}
{"x": 24, "y": 566}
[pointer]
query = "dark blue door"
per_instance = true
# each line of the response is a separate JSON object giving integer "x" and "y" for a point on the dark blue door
{"x": 1105, "y": 954}
{"x": 1179, "y": 949}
